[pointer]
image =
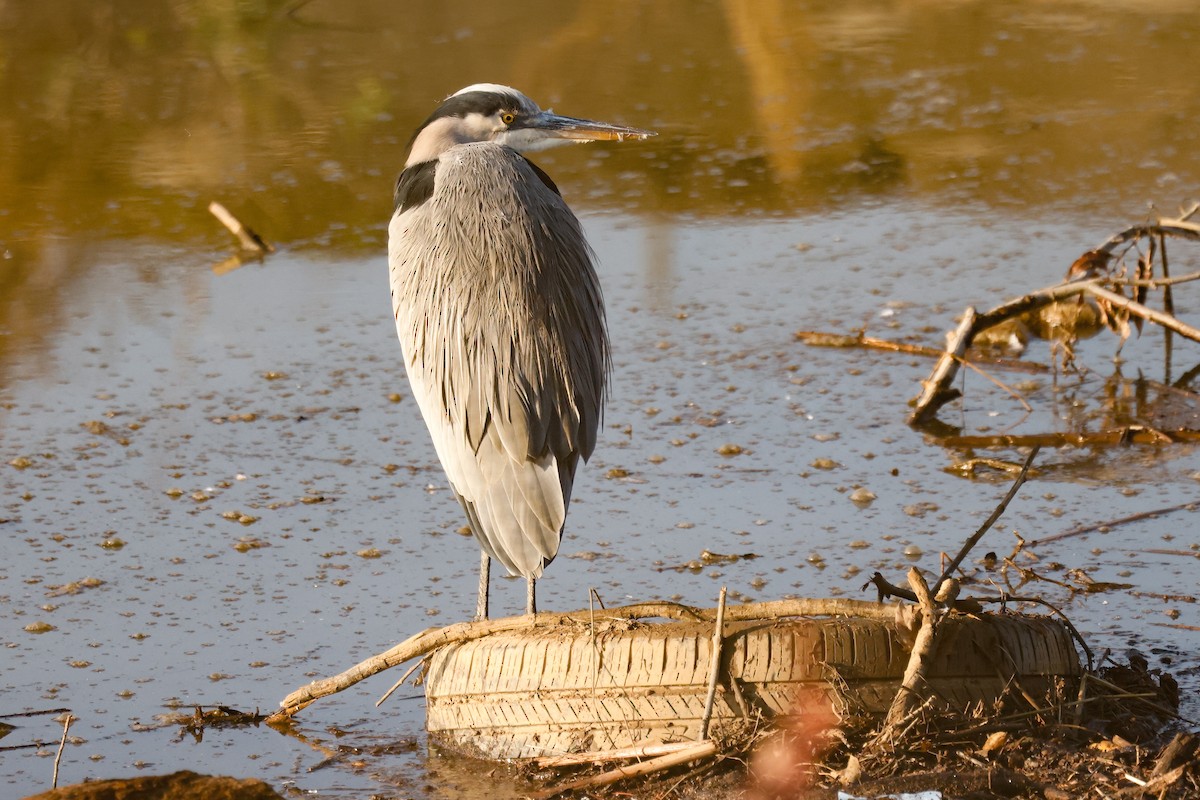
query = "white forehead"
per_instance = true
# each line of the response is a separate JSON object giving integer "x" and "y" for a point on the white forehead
{"x": 499, "y": 88}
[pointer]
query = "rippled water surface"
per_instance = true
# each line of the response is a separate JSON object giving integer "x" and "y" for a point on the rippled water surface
{"x": 216, "y": 486}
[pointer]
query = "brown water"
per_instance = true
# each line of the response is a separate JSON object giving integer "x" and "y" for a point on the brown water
{"x": 819, "y": 166}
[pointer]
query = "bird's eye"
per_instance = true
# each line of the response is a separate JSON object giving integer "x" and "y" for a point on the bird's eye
{"x": 508, "y": 118}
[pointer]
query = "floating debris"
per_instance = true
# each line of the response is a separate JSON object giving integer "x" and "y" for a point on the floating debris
{"x": 708, "y": 559}
{"x": 74, "y": 587}
{"x": 862, "y": 496}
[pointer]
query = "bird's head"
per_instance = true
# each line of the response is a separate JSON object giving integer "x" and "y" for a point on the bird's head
{"x": 489, "y": 112}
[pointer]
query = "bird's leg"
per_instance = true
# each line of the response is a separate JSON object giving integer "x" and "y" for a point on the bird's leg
{"x": 485, "y": 568}
{"x": 531, "y": 598}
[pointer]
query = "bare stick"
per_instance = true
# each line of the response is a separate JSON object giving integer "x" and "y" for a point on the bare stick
{"x": 1000, "y": 384}
{"x": 1138, "y": 310}
{"x": 398, "y": 683}
{"x": 1168, "y": 227}
{"x": 249, "y": 240}
{"x": 911, "y": 695}
{"x": 1081, "y": 699}
{"x": 1168, "y": 304}
{"x": 1158, "y": 283}
{"x": 1112, "y": 523}
{"x": 601, "y": 756}
{"x": 991, "y": 520}
{"x": 696, "y": 750}
{"x": 67, "y": 719}
{"x": 36, "y": 713}
{"x": 1168, "y": 297}
{"x": 714, "y": 669}
{"x": 936, "y": 392}
{"x": 433, "y": 638}
{"x": 823, "y": 339}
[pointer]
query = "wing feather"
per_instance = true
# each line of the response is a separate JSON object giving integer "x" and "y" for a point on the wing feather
{"x": 501, "y": 319}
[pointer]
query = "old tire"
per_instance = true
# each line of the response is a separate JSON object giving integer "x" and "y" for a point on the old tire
{"x": 548, "y": 691}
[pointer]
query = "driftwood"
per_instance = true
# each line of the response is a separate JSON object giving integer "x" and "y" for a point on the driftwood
{"x": 1181, "y": 750}
{"x": 433, "y": 638}
{"x": 249, "y": 240}
{"x": 913, "y": 694}
{"x": 1089, "y": 277}
{"x": 253, "y": 246}
{"x": 604, "y": 756}
{"x": 936, "y": 390}
{"x": 694, "y": 751}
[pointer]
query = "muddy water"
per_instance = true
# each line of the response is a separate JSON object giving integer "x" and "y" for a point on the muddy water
{"x": 216, "y": 487}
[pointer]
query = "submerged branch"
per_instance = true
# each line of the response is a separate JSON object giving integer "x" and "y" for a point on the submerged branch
{"x": 826, "y": 339}
{"x": 1132, "y": 434}
{"x": 1112, "y": 523}
{"x": 247, "y": 238}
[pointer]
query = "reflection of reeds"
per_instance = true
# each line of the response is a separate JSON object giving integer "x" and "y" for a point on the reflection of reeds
{"x": 776, "y": 77}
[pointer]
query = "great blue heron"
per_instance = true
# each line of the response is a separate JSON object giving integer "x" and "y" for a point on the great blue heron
{"x": 501, "y": 319}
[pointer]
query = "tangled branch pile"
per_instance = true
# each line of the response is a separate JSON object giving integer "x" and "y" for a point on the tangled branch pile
{"x": 1105, "y": 287}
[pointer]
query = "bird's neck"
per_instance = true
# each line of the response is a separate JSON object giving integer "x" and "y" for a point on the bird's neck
{"x": 434, "y": 139}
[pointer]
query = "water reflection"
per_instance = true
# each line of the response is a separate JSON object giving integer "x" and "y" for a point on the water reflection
{"x": 123, "y": 122}
{"x": 127, "y": 119}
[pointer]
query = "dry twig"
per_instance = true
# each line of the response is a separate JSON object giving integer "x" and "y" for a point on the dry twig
{"x": 1083, "y": 529}
{"x": 695, "y": 751}
{"x": 604, "y": 756}
{"x": 398, "y": 683}
{"x": 249, "y": 240}
{"x": 714, "y": 670}
{"x": 989, "y": 522}
{"x": 67, "y": 719}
